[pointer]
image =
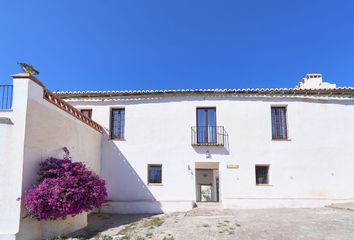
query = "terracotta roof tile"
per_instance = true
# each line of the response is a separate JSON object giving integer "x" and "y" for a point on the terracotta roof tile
{"x": 333, "y": 92}
{"x": 52, "y": 98}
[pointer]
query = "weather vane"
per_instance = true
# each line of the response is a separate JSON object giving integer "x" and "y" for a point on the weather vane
{"x": 28, "y": 68}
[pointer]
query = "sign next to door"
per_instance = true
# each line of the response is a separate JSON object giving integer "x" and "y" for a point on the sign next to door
{"x": 232, "y": 166}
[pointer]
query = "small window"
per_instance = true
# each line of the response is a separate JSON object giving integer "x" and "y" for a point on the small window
{"x": 154, "y": 174}
{"x": 262, "y": 174}
{"x": 279, "y": 123}
{"x": 87, "y": 112}
{"x": 117, "y": 124}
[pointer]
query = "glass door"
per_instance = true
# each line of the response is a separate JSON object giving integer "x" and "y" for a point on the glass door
{"x": 206, "y": 125}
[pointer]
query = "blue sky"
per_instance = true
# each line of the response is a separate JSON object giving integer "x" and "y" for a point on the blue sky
{"x": 165, "y": 44}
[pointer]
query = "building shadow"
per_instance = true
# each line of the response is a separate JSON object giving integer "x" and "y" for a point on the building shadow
{"x": 211, "y": 150}
{"x": 98, "y": 222}
{"x": 123, "y": 183}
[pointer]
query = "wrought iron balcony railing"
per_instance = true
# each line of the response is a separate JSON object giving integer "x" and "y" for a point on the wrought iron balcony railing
{"x": 6, "y": 97}
{"x": 208, "y": 136}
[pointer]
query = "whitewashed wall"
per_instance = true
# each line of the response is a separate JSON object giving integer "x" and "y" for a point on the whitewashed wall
{"x": 44, "y": 130}
{"x": 12, "y": 137}
{"x": 312, "y": 168}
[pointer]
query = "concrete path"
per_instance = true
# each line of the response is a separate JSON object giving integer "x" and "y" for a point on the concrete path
{"x": 224, "y": 224}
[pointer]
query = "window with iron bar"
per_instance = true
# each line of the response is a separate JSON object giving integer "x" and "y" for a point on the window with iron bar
{"x": 262, "y": 174}
{"x": 154, "y": 173}
{"x": 117, "y": 130}
{"x": 279, "y": 123}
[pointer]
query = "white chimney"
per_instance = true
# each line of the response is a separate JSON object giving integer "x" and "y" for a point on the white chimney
{"x": 314, "y": 81}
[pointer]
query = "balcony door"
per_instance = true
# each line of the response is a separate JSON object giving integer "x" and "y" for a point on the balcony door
{"x": 206, "y": 125}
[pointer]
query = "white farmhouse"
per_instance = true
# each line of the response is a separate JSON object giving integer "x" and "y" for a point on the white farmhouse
{"x": 172, "y": 150}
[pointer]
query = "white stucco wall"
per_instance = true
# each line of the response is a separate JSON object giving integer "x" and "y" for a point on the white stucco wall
{"x": 12, "y": 137}
{"x": 45, "y": 129}
{"x": 31, "y": 229}
{"x": 314, "y": 165}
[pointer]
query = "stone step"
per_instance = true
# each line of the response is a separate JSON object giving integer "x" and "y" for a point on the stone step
{"x": 209, "y": 205}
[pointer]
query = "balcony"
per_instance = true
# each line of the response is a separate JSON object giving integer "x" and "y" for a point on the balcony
{"x": 6, "y": 97}
{"x": 208, "y": 136}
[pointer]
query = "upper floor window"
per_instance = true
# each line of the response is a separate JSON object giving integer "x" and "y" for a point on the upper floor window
{"x": 154, "y": 173}
{"x": 206, "y": 125}
{"x": 279, "y": 123}
{"x": 117, "y": 123}
{"x": 87, "y": 112}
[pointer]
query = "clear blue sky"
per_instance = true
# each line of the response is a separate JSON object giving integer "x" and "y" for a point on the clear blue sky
{"x": 165, "y": 44}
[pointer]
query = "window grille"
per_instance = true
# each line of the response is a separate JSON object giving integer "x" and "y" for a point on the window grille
{"x": 117, "y": 124}
{"x": 262, "y": 175}
{"x": 154, "y": 173}
{"x": 279, "y": 123}
{"x": 6, "y": 97}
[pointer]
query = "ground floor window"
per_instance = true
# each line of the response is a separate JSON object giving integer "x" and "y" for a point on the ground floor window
{"x": 154, "y": 173}
{"x": 262, "y": 174}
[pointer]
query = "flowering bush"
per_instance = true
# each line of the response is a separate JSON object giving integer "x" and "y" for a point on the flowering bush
{"x": 64, "y": 188}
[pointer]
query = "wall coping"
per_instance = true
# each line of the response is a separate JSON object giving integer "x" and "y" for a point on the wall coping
{"x": 50, "y": 97}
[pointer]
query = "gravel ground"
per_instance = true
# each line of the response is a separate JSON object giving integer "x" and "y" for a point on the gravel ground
{"x": 223, "y": 224}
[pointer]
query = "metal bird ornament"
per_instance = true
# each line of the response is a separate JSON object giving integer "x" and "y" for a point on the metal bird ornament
{"x": 28, "y": 68}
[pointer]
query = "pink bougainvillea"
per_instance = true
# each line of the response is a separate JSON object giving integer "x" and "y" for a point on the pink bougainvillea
{"x": 65, "y": 188}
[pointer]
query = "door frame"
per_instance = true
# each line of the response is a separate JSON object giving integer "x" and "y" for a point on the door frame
{"x": 216, "y": 193}
{"x": 217, "y": 186}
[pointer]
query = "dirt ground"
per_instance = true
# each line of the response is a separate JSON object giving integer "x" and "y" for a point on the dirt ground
{"x": 222, "y": 224}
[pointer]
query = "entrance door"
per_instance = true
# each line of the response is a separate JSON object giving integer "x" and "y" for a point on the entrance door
{"x": 205, "y": 192}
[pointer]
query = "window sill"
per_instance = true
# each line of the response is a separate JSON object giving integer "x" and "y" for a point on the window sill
{"x": 264, "y": 185}
{"x": 155, "y": 184}
{"x": 281, "y": 140}
{"x": 118, "y": 139}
